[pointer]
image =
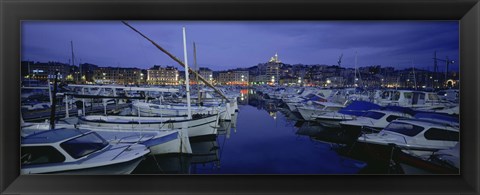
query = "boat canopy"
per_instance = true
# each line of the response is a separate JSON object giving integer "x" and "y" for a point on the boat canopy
{"x": 400, "y": 109}
{"x": 437, "y": 116}
{"x": 358, "y": 108}
{"x": 53, "y": 136}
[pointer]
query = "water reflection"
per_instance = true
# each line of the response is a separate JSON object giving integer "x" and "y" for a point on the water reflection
{"x": 262, "y": 138}
{"x": 205, "y": 155}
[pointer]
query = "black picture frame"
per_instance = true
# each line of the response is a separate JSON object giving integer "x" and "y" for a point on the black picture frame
{"x": 14, "y": 11}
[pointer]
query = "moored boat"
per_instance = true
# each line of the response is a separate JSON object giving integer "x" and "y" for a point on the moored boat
{"x": 77, "y": 151}
{"x": 199, "y": 125}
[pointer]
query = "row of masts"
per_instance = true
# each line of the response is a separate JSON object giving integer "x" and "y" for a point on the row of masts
{"x": 357, "y": 78}
{"x": 184, "y": 64}
{"x": 447, "y": 63}
{"x": 187, "y": 69}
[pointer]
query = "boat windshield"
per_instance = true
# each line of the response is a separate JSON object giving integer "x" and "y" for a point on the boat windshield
{"x": 408, "y": 95}
{"x": 385, "y": 94}
{"x": 396, "y": 96}
{"x": 433, "y": 96}
{"x": 309, "y": 96}
{"x": 84, "y": 145}
{"x": 404, "y": 128}
{"x": 374, "y": 115}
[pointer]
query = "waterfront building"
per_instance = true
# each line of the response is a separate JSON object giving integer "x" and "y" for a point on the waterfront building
{"x": 257, "y": 79}
{"x": 335, "y": 81}
{"x": 117, "y": 75}
{"x": 43, "y": 71}
{"x": 158, "y": 75}
{"x": 290, "y": 80}
{"x": 233, "y": 77}
{"x": 87, "y": 72}
{"x": 206, "y": 73}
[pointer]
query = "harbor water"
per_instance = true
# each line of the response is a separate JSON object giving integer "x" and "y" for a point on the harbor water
{"x": 261, "y": 139}
{"x": 260, "y": 135}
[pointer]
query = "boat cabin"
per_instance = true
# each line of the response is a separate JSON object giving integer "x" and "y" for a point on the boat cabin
{"x": 59, "y": 146}
{"x": 418, "y": 132}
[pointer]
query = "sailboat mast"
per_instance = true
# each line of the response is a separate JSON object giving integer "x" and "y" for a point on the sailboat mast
{"x": 187, "y": 81}
{"x": 355, "y": 81}
{"x": 54, "y": 101}
{"x": 73, "y": 58}
{"x": 177, "y": 60}
{"x": 195, "y": 63}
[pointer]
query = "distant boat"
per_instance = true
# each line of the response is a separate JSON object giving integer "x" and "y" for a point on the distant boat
{"x": 199, "y": 125}
{"x": 76, "y": 151}
{"x": 372, "y": 121}
{"x": 175, "y": 110}
{"x": 350, "y": 112}
{"x": 310, "y": 110}
{"x": 295, "y": 103}
{"x": 418, "y": 100}
{"x": 34, "y": 105}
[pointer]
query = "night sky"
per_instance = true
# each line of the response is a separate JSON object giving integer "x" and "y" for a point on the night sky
{"x": 225, "y": 45}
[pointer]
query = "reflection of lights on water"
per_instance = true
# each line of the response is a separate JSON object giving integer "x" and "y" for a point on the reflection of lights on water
{"x": 241, "y": 98}
{"x": 273, "y": 114}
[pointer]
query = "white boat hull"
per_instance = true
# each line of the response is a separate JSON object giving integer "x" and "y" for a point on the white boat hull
{"x": 196, "y": 127}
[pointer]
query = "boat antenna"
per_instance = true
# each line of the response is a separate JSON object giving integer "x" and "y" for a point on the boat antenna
{"x": 398, "y": 82}
{"x": 177, "y": 60}
{"x": 355, "y": 81}
{"x": 414, "y": 76}
{"x": 187, "y": 80}
{"x": 339, "y": 62}
{"x": 73, "y": 59}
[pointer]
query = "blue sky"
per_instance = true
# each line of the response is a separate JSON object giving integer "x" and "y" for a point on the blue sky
{"x": 232, "y": 44}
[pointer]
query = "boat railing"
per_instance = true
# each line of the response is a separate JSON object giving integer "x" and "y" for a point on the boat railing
{"x": 366, "y": 129}
{"x": 125, "y": 149}
{"x": 138, "y": 141}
